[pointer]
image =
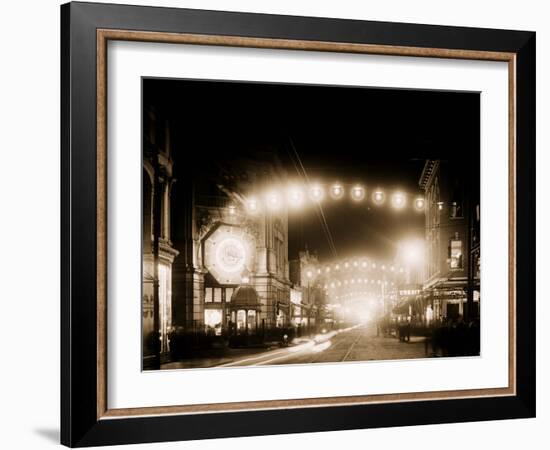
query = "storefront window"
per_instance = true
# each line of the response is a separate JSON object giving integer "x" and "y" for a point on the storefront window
{"x": 213, "y": 321}
{"x": 241, "y": 319}
{"x": 251, "y": 320}
{"x": 456, "y": 254}
{"x": 165, "y": 304}
{"x": 429, "y": 314}
{"x": 217, "y": 295}
{"x": 280, "y": 321}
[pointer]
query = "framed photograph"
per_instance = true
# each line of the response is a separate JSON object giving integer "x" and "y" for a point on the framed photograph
{"x": 276, "y": 224}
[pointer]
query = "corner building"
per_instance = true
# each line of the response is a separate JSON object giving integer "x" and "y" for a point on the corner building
{"x": 232, "y": 273}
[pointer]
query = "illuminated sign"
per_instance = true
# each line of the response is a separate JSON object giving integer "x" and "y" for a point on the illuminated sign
{"x": 296, "y": 296}
{"x": 228, "y": 252}
{"x": 231, "y": 255}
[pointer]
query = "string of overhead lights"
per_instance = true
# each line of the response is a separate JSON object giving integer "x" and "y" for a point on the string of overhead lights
{"x": 334, "y": 269}
{"x": 351, "y": 274}
{"x": 357, "y": 295}
{"x": 352, "y": 281}
{"x": 296, "y": 196}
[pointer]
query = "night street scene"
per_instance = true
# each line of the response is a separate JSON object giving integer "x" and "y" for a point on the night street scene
{"x": 295, "y": 224}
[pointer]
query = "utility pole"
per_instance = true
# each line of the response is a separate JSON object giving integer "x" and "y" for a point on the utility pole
{"x": 384, "y": 294}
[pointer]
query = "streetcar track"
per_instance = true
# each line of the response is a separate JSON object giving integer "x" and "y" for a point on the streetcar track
{"x": 351, "y": 347}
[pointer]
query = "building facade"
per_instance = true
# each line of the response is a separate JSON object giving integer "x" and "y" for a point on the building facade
{"x": 452, "y": 221}
{"x": 157, "y": 248}
{"x": 232, "y": 276}
{"x": 305, "y": 274}
{"x": 215, "y": 254}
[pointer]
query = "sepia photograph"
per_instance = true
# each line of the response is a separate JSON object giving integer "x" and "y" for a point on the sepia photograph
{"x": 301, "y": 224}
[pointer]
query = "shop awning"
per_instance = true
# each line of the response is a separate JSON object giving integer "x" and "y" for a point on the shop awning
{"x": 245, "y": 297}
{"x": 403, "y": 306}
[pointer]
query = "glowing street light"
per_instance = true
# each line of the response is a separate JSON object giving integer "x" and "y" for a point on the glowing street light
{"x": 337, "y": 191}
{"x": 419, "y": 204}
{"x": 378, "y": 197}
{"x": 295, "y": 197}
{"x": 273, "y": 200}
{"x": 357, "y": 193}
{"x": 316, "y": 193}
{"x": 398, "y": 200}
{"x": 252, "y": 205}
{"x": 412, "y": 252}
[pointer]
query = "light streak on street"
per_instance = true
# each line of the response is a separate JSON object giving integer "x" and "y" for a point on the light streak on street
{"x": 357, "y": 343}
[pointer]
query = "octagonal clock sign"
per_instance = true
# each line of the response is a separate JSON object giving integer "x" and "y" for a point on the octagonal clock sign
{"x": 228, "y": 252}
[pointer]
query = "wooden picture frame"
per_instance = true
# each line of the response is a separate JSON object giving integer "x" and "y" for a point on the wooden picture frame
{"x": 85, "y": 416}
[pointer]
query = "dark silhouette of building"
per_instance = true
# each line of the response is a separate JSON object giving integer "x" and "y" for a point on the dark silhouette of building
{"x": 452, "y": 238}
{"x": 158, "y": 249}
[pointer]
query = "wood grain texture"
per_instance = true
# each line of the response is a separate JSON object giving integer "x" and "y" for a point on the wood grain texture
{"x": 512, "y": 288}
{"x": 282, "y": 44}
{"x": 101, "y": 223}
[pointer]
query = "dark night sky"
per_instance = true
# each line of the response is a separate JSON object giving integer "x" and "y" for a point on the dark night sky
{"x": 379, "y": 137}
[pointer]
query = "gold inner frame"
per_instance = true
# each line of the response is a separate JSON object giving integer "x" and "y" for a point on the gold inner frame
{"x": 104, "y": 35}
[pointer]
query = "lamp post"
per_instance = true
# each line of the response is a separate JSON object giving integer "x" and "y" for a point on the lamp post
{"x": 309, "y": 276}
{"x": 384, "y": 294}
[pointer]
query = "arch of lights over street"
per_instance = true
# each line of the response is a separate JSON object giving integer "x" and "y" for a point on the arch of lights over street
{"x": 357, "y": 280}
{"x": 364, "y": 284}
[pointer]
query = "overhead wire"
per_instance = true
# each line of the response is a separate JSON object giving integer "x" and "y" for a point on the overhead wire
{"x": 320, "y": 213}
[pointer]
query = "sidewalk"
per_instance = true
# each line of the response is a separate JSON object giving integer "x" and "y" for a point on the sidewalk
{"x": 216, "y": 357}
{"x": 226, "y": 356}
